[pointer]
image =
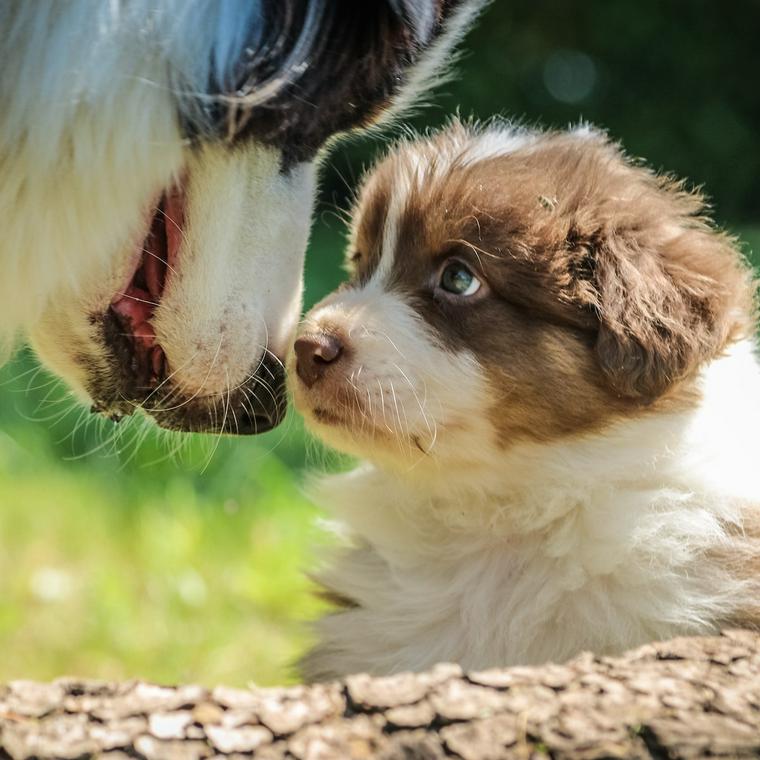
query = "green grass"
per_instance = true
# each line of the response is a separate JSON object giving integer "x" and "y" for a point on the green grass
{"x": 123, "y": 557}
{"x": 107, "y": 576}
{"x": 119, "y": 560}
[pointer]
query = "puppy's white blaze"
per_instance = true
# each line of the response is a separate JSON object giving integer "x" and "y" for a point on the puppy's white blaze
{"x": 391, "y": 229}
{"x": 417, "y": 169}
{"x": 237, "y": 287}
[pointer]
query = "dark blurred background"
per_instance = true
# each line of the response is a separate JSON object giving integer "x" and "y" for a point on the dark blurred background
{"x": 129, "y": 552}
{"x": 675, "y": 81}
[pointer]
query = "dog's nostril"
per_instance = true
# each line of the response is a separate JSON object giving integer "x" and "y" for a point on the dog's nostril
{"x": 314, "y": 353}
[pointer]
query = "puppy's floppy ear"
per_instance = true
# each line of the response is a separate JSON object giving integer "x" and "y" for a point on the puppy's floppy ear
{"x": 669, "y": 291}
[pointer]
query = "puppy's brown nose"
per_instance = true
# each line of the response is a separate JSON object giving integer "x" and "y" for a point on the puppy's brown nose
{"x": 314, "y": 354}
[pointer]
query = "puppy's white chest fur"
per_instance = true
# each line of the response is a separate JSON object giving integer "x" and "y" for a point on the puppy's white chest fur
{"x": 599, "y": 542}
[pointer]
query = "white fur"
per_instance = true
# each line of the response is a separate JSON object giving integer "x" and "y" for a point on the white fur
{"x": 88, "y": 133}
{"x": 594, "y": 542}
{"x": 74, "y": 181}
{"x": 495, "y": 142}
{"x": 461, "y": 148}
{"x": 395, "y": 214}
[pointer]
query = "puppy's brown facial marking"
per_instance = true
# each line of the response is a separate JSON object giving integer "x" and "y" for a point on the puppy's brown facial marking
{"x": 510, "y": 285}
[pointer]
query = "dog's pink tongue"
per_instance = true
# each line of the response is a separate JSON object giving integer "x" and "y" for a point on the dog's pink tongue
{"x": 136, "y": 305}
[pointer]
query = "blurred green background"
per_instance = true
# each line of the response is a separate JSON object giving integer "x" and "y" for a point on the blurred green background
{"x": 128, "y": 552}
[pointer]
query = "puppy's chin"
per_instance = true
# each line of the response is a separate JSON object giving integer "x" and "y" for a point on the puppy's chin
{"x": 334, "y": 415}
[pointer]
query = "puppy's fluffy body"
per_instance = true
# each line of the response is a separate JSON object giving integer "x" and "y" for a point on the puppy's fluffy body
{"x": 561, "y": 460}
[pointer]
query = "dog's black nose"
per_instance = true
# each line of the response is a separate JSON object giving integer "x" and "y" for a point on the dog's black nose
{"x": 315, "y": 352}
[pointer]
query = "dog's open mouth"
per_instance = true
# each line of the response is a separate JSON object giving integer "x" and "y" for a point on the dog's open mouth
{"x": 134, "y": 307}
{"x": 141, "y": 377}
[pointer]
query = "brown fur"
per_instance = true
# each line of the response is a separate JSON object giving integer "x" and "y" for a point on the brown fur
{"x": 741, "y": 558}
{"x": 608, "y": 286}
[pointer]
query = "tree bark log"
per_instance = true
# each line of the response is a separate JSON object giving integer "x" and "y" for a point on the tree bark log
{"x": 685, "y": 698}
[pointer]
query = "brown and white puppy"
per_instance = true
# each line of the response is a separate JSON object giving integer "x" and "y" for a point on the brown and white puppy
{"x": 544, "y": 355}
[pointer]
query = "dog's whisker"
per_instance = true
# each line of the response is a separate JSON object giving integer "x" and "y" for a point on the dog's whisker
{"x": 135, "y": 298}
{"x": 168, "y": 378}
{"x": 394, "y": 395}
{"x": 17, "y": 377}
{"x": 221, "y": 427}
{"x": 144, "y": 429}
{"x": 179, "y": 228}
{"x": 198, "y": 393}
{"x": 161, "y": 259}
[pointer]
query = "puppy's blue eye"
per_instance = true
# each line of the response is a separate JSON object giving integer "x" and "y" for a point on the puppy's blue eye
{"x": 456, "y": 278}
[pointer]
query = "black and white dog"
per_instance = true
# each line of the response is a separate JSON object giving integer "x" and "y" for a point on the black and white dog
{"x": 157, "y": 173}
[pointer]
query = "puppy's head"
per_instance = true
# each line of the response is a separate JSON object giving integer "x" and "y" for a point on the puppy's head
{"x": 509, "y": 285}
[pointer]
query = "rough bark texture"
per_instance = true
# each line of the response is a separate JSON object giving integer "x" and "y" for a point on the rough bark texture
{"x": 684, "y": 698}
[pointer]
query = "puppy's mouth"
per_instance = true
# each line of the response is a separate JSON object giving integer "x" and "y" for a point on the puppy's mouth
{"x": 365, "y": 432}
{"x": 140, "y": 377}
{"x": 342, "y": 409}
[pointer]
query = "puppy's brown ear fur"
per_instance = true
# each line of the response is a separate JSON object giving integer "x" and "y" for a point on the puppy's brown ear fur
{"x": 665, "y": 311}
{"x": 669, "y": 290}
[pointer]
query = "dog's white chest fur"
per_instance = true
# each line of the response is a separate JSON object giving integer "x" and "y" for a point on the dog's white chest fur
{"x": 600, "y": 543}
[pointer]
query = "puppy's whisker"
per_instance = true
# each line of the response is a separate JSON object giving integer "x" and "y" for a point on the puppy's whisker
{"x": 416, "y": 398}
{"x": 474, "y": 248}
{"x": 382, "y": 406}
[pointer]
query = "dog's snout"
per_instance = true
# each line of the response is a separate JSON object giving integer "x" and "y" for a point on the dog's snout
{"x": 315, "y": 352}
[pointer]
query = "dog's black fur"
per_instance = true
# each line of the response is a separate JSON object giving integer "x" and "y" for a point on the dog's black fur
{"x": 357, "y": 56}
